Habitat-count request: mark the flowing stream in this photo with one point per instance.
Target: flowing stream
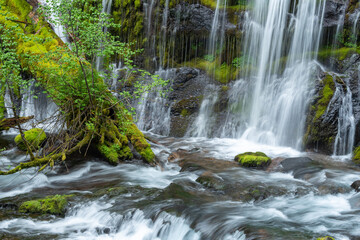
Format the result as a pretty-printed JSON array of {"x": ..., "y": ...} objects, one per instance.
[
  {"x": 266, "y": 112},
  {"x": 135, "y": 201}
]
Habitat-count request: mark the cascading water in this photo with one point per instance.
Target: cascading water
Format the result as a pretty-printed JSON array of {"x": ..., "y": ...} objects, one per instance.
[
  {"x": 163, "y": 35},
  {"x": 58, "y": 28},
  {"x": 153, "y": 111},
  {"x": 217, "y": 34},
  {"x": 344, "y": 140},
  {"x": 204, "y": 122},
  {"x": 34, "y": 103},
  {"x": 206, "y": 118},
  {"x": 355, "y": 26},
  {"x": 277, "y": 45},
  {"x": 106, "y": 8}
]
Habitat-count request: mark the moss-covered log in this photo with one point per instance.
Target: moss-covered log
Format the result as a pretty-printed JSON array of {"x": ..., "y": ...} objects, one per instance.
[
  {"x": 7, "y": 123},
  {"x": 102, "y": 121}
]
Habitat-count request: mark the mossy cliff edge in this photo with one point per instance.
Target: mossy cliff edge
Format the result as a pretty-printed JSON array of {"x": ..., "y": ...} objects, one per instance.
[
  {"x": 103, "y": 122},
  {"x": 320, "y": 135}
]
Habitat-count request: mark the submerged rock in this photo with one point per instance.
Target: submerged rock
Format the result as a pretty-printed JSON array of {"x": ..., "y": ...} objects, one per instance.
[
  {"x": 50, "y": 205},
  {"x": 253, "y": 160},
  {"x": 356, "y": 185},
  {"x": 35, "y": 137},
  {"x": 300, "y": 166},
  {"x": 210, "y": 180}
]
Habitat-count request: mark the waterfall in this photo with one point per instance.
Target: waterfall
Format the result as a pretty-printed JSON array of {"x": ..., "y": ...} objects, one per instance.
[
  {"x": 151, "y": 37},
  {"x": 33, "y": 103},
  {"x": 344, "y": 140},
  {"x": 277, "y": 44},
  {"x": 355, "y": 26},
  {"x": 217, "y": 34},
  {"x": 163, "y": 35},
  {"x": 106, "y": 8},
  {"x": 58, "y": 28},
  {"x": 203, "y": 124},
  {"x": 153, "y": 111}
]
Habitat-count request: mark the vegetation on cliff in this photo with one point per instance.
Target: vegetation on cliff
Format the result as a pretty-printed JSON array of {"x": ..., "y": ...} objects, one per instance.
[{"x": 89, "y": 113}]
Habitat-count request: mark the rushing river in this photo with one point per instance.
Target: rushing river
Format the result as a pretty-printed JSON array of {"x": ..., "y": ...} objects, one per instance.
[{"x": 136, "y": 201}]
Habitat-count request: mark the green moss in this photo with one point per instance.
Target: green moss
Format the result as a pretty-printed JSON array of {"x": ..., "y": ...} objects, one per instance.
[
  {"x": 356, "y": 155},
  {"x": 50, "y": 205},
  {"x": 325, "y": 96},
  {"x": 340, "y": 53},
  {"x": 140, "y": 144},
  {"x": 20, "y": 7},
  {"x": 184, "y": 113},
  {"x": 115, "y": 152},
  {"x": 222, "y": 73},
  {"x": 130, "y": 16},
  {"x": 110, "y": 153},
  {"x": 325, "y": 238},
  {"x": 253, "y": 160},
  {"x": 35, "y": 137}
]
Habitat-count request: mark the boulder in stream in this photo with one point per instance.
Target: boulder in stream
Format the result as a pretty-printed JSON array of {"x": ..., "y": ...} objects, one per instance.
[
  {"x": 257, "y": 160},
  {"x": 300, "y": 166},
  {"x": 35, "y": 137},
  {"x": 50, "y": 205},
  {"x": 356, "y": 185}
]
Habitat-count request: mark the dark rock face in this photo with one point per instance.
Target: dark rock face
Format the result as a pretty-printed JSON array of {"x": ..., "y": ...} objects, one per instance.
[
  {"x": 356, "y": 185},
  {"x": 191, "y": 18},
  {"x": 333, "y": 10},
  {"x": 321, "y": 124},
  {"x": 353, "y": 73},
  {"x": 188, "y": 89}
]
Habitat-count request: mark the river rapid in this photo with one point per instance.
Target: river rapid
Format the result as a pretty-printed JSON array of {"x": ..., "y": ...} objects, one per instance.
[{"x": 136, "y": 201}]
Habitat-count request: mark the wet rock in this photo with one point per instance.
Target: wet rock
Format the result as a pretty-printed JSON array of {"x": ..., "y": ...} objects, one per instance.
[
  {"x": 176, "y": 191},
  {"x": 300, "y": 166},
  {"x": 356, "y": 185},
  {"x": 331, "y": 189},
  {"x": 251, "y": 192},
  {"x": 50, "y": 205},
  {"x": 194, "y": 18},
  {"x": 322, "y": 118},
  {"x": 111, "y": 192},
  {"x": 257, "y": 160},
  {"x": 333, "y": 9},
  {"x": 188, "y": 88},
  {"x": 210, "y": 180},
  {"x": 178, "y": 154},
  {"x": 194, "y": 162},
  {"x": 275, "y": 164}
]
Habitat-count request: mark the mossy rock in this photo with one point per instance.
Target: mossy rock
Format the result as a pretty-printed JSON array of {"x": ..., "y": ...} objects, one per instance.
[
  {"x": 35, "y": 137},
  {"x": 325, "y": 238},
  {"x": 253, "y": 160},
  {"x": 356, "y": 156},
  {"x": 50, "y": 205},
  {"x": 320, "y": 128}
]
